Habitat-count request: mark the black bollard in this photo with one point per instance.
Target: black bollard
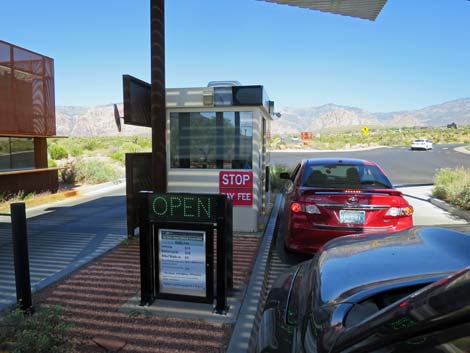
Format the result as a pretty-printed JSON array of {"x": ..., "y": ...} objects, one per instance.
[{"x": 21, "y": 257}]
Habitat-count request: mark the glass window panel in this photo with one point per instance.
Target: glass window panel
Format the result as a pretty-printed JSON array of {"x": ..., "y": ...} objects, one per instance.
[
  {"x": 246, "y": 139},
  {"x": 203, "y": 131},
  {"x": 223, "y": 96},
  {"x": 4, "y": 153},
  {"x": 229, "y": 139},
  {"x": 221, "y": 140},
  {"x": 22, "y": 153}
]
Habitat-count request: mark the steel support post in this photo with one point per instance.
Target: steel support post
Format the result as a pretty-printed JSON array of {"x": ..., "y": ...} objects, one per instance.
[{"x": 158, "y": 94}]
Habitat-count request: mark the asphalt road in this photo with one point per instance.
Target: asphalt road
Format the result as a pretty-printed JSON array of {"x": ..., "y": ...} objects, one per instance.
[
  {"x": 62, "y": 237},
  {"x": 402, "y": 165}
]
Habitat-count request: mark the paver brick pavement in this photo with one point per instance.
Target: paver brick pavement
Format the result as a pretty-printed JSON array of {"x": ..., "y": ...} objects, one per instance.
[{"x": 92, "y": 296}]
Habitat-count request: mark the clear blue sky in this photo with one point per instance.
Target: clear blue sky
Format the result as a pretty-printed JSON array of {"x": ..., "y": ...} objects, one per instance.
[{"x": 416, "y": 53}]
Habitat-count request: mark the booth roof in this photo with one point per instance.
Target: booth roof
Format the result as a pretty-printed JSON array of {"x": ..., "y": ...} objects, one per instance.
[{"x": 366, "y": 9}]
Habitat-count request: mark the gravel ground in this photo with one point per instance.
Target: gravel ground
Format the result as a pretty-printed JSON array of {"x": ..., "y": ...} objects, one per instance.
[{"x": 92, "y": 296}]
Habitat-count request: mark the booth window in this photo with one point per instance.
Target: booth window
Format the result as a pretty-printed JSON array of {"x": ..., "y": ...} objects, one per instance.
[
  {"x": 215, "y": 140},
  {"x": 16, "y": 153}
]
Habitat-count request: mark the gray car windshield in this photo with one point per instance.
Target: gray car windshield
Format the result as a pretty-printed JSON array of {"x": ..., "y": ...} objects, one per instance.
[{"x": 342, "y": 176}]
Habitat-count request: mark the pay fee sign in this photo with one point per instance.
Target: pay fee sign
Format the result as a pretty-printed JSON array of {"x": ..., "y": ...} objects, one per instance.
[{"x": 238, "y": 186}]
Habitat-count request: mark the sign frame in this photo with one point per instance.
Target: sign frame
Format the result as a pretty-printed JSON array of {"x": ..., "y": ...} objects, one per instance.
[
  {"x": 208, "y": 229},
  {"x": 219, "y": 222}
]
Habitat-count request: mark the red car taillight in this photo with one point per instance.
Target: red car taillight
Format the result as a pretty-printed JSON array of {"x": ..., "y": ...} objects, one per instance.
[
  {"x": 400, "y": 211},
  {"x": 297, "y": 207}
]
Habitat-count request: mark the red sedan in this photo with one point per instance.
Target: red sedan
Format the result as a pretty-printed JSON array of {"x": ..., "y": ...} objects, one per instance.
[{"x": 330, "y": 197}]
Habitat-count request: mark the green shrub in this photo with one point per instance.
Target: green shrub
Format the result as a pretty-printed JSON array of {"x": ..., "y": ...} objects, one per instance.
[
  {"x": 93, "y": 171},
  {"x": 90, "y": 144},
  {"x": 51, "y": 163},
  {"x": 278, "y": 184},
  {"x": 453, "y": 186},
  {"x": 57, "y": 152},
  {"x": 43, "y": 332},
  {"x": 76, "y": 151},
  {"x": 119, "y": 156},
  {"x": 130, "y": 147}
]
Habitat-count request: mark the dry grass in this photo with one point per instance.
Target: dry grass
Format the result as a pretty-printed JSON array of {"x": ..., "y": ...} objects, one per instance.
[{"x": 453, "y": 186}]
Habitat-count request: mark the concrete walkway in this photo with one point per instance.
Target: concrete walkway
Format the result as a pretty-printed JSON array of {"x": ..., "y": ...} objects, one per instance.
[
  {"x": 63, "y": 237},
  {"x": 425, "y": 212}
]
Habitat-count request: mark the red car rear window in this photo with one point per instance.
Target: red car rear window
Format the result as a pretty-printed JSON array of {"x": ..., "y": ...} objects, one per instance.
[{"x": 340, "y": 176}]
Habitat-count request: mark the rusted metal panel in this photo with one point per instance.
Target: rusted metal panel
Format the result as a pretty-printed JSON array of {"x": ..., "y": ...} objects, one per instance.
[
  {"x": 37, "y": 181},
  {"x": 26, "y": 92}
]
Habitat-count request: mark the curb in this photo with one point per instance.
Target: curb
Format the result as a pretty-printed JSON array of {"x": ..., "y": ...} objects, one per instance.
[
  {"x": 98, "y": 187},
  {"x": 462, "y": 149},
  {"x": 290, "y": 150},
  {"x": 449, "y": 208},
  {"x": 242, "y": 338}
]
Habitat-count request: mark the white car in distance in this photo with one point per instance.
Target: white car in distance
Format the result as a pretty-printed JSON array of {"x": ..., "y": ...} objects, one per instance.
[{"x": 421, "y": 144}]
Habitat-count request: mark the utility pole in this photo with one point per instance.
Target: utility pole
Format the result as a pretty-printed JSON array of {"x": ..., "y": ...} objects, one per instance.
[{"x": 158, "y": 95}]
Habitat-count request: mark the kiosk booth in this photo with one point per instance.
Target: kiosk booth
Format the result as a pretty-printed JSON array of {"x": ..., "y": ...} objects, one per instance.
[{"x": 216, "y": 144}]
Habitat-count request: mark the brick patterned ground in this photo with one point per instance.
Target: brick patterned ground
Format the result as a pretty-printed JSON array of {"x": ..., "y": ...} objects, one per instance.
[{"x": 93, "y": 295}]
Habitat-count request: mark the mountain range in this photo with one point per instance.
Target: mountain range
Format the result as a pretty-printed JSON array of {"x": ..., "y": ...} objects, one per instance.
[{"x": 99, "y": 120}]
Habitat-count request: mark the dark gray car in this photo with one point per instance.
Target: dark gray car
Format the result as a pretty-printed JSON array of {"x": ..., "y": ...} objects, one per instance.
[{"x": 401, "y": 292}]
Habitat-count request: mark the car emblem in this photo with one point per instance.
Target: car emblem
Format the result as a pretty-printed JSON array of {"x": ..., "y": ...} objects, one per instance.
[{"x": 353, "y": 199}]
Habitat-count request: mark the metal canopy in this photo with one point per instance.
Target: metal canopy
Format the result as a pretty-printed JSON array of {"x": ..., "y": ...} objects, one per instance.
[{"x": 366, "y": 9}]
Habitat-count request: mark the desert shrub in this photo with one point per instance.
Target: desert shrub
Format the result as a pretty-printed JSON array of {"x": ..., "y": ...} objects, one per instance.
[
  {"x": 94, "y": 171},
  {"x": 119, "y": 156},
  {"x": 278, "y": 184},
  {"x": 90, "y": 144},
  {"x": 68, "y": 174},
  {"x": 44, "y": 332},
  {"x": 453, "y": 186},
  {"x": 57, "y": 152},
  {"x": 130, "y": 147},
  {"x": 76, "y": 151},
  {"x": 144, "y": 142}
]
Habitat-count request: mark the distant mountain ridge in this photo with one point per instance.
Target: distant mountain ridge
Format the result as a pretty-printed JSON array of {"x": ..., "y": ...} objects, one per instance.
[
  {"x": 99, "y": 120},
  {"x": 295, "y": 120}
]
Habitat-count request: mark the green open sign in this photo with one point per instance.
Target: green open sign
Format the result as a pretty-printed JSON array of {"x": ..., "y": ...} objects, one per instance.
[{"x": 182, "y": 207}]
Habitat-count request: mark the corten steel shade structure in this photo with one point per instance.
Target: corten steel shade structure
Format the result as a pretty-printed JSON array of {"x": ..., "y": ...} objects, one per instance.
[
  {"x": 27, "y": 92},
  {"x": 27, "y": 119},
  {"x": 366, "y": 9}
]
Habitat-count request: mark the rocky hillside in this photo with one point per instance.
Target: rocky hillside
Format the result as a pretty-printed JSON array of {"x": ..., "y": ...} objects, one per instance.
[
  {"x": 93, "y": 121},
  {"x": 294, "y": 120},
  {"x": 99, "y": 120}
]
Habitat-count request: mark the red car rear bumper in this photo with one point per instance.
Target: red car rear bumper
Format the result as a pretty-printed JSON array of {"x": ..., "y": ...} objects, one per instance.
[{"x": 310, "y": 240}]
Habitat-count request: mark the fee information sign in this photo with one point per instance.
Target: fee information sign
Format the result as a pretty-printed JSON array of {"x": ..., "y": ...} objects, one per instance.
[{"x": 182, "y": 262}]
